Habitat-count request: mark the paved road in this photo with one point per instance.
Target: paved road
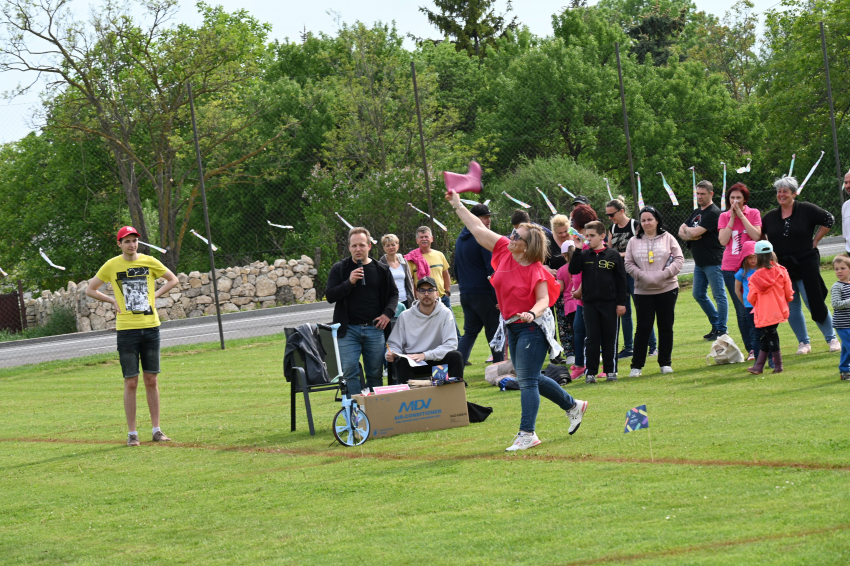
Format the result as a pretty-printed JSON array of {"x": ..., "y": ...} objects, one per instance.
[{"x": 236, "y": 325}]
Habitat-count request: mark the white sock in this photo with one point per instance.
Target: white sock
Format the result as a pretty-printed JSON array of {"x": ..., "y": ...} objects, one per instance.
[
  {"x": 155, "y": 430},
  {"x": 134, "y": 432}
]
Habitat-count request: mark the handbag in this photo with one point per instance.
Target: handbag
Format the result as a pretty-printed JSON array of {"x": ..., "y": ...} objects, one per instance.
[{"x": 724, "y": 351}]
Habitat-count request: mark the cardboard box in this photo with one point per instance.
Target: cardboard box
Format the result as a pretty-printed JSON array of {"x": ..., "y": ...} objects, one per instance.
[{"x": 423, "y": 408}]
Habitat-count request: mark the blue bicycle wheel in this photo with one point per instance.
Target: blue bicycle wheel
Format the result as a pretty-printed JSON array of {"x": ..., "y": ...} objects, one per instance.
[{"x": 351, "y": 434}]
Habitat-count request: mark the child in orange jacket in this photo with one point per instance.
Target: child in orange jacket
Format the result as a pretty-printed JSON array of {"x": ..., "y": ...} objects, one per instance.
[{"x": 770, "y": 293}]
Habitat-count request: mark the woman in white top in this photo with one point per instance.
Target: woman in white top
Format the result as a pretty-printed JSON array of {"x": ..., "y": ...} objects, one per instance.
[{"x": 398, "y": 267}]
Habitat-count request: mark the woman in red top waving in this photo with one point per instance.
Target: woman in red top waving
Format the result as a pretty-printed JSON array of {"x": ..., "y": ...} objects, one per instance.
[{"x": 525, "y": 291}]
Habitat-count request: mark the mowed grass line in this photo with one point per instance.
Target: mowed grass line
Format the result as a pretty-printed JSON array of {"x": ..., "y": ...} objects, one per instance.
[{"x": 743, "y": 469}]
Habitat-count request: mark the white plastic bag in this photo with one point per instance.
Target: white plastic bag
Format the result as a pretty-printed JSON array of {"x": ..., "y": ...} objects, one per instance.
[{"x": 724, "y": 351}]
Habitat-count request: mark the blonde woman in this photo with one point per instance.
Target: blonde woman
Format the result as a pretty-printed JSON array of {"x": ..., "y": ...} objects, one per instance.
[
  {"x": 399, "y": 269},
  {"x": 560, "y": 224}
]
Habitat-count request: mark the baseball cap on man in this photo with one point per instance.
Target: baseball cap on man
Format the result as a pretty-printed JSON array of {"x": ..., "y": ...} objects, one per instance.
[
  {"x": 126, "y": 231},
  {"x": 429, "y": 280},
  {"x": 581, "y": 200},
  {"x": 480, "y": 210}
]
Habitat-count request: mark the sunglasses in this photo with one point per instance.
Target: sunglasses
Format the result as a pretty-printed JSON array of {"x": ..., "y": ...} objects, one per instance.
[
  {"x": 515, "y": 236},
  {"x": 611, "y": 215},
  {"x": 426, "y": 290}
]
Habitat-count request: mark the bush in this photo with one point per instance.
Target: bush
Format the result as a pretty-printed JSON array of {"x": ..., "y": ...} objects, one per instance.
[{"x": 62, "y": 321}]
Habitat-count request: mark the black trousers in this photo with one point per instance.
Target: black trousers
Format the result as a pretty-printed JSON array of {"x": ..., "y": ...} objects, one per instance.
[
  {"x": 602, "y": 326},
  {"x": 660, "y": 308},
  {"x": 769, "y": 338},
  {"x": 404, "y": 371},
  {"x": 479, "y": 311}
]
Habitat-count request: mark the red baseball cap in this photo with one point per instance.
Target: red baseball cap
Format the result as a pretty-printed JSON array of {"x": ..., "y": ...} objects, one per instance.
[{"x": 126, "y": 231}]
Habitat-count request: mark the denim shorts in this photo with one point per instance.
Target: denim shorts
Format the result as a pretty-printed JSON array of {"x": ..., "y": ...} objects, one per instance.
[{"x": 138, "y": 344}]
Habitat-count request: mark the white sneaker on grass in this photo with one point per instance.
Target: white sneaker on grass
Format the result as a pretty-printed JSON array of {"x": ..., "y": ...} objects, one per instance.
[
  {"x": 571, "y": 360},
  {"x": 635, "y": 372},
  {"x": 834, "y": 345},
  {"x": 804, "y": 348},
  {"x": 666, "y": 369},
  {"x": 575, "y": 415},
  {"x": 523, "y": 440}
]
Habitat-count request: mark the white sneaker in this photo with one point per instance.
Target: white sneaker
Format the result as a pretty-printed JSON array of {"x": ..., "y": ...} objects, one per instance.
[
  {"x": 804, "y": 348},
  {"x": 575, "y": 414},
  {"x": 523, "y": 440},
  {"x": 666, "y": 369},
  {"x": 635, "y": 372},
  {"x": 571, "y": 360},
  {"x": 834, "y": 345}
]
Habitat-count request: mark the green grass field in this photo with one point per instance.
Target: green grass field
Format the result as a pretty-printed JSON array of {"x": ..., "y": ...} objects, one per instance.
[{"x": 743, "y": 469}]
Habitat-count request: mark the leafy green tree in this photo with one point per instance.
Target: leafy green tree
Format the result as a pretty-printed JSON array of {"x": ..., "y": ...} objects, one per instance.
[
  {"x": 473, "y": 24},
  {"x": 124, "y": 83},
  {"x": 656, "y": 34}
]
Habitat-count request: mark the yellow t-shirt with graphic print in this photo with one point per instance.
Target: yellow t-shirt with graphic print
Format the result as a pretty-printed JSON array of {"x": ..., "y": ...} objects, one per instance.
[
  {"x": 438, "y": 263},
  {"x": 134, "y": 285}
]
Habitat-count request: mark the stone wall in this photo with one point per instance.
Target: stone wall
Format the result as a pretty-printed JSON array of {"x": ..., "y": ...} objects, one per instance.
[{"x": 258, "y": 285}]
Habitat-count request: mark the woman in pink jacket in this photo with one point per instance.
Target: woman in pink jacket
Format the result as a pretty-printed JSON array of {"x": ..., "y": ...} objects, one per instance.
[{"x": 654, "y": 259}]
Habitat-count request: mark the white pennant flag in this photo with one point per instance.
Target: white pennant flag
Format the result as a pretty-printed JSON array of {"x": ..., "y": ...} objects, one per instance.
[
  {"x": 47, "y": 259},
  {"x": 215, "y": 249}
]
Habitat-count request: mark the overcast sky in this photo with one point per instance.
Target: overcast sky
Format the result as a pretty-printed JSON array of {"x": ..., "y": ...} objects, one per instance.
[{"x": 288, "y": 18}]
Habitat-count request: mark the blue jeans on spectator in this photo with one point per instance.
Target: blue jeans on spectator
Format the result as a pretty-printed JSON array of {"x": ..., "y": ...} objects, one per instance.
[
  {"x": 844, "y": 363},
  {"x": 798, "y": 321},
  {"x": 626, "y": 321},
  {"x": 368, "y": 341},
  {"x": 529, "y": 349},
  {"x": 740, "y": 312},
  {"x": 579, "y": 333},
  {"x": 446, "y": 300},
  {"x": 713, "y": 276},
  {"x": 479, "y": 311}
]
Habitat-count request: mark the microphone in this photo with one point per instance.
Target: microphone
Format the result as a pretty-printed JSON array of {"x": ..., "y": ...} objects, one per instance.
[{"x": 360, "y": 264}]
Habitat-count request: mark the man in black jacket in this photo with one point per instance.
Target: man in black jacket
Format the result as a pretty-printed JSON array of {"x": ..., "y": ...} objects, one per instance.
[
  {"x": 604, "y": 294},
  {"x": 365, "y": 297}
]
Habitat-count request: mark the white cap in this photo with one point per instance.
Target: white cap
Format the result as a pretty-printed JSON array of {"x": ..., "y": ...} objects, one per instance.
[{"x": 565, "y": 247}]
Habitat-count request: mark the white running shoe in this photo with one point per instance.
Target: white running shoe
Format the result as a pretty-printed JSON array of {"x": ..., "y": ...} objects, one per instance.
[
  {"x": 575, "y": 414},
  {"x": 666, "y": 369},
  {"x": 751, "y": 356},
  {"x": 834, "y": 345},
  {"x": 571, "y": 360},
  {"x": 523, "y": 440},
  {"x": 635, "y": 372},
  {"x": 804, "y": 348}
]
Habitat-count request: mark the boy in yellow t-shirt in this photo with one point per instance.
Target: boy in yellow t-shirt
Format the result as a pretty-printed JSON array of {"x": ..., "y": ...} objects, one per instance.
[{"x": 133, "y": 277}]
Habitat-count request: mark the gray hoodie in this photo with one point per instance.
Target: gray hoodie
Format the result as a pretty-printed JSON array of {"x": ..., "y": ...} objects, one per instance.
[{"x": 433, "y": 335}]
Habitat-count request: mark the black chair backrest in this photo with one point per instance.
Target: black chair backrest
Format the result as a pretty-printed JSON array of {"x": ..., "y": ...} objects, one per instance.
[{"x": 327, "y": 336}]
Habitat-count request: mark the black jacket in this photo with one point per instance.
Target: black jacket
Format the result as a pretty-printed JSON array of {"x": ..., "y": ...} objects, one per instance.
[
  {"x": 306, "y": 341},
  {"x": 603, "y": 276},
  {"x": 339, "y": 287}
]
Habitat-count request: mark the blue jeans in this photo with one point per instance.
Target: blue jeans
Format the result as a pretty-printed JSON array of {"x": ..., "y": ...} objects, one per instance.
[
  {"x": 479, "y": 311},
  {"x": 626, "y": 321},
  {"x": 844, "y": 363},
  {"x": 579, "y": 333},
  {"x": 529, "y": 349},
  {"x": 798, "y": 321},
  {"x": 368, "y": 341},
  {"x": 448, "y": 302},
  {"x": 703, "y": 277},
  {"x": 740, "y": 311}
]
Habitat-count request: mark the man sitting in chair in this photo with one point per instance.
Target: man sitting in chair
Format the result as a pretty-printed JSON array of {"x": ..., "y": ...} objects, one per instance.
[{"x": 425, "y": 333}]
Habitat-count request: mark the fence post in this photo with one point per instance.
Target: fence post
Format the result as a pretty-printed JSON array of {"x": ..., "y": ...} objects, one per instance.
[
  {"x": 626, "y": 126},
  {"x": 422, "y": 144},
  {"x": 831, "y": 111},
  {"x": 23, "y": 305},
  {"x": 317, "y": 260},
  {"x": 206, "y": 215}
]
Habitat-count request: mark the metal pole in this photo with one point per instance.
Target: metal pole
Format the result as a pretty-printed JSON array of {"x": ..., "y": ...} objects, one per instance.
[
  {"x": 422, "y": 144},
  {"x": 831, "y": 111},
  {"x": 206, "y": 214},
  {"x": 626, "y": 126},
  {"x": 23, "y": 305}
]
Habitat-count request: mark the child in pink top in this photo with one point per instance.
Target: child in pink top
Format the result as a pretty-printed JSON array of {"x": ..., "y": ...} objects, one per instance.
[{"x": 568, "y": 285}]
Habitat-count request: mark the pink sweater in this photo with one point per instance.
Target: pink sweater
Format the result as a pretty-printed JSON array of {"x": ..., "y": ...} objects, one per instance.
[
  {"x": 660, "y": 275},
  {"x": 571, "y": 283}
]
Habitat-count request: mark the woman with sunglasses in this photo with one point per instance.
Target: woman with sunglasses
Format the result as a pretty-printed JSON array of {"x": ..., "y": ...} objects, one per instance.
[{"x": 525, "y": 290}]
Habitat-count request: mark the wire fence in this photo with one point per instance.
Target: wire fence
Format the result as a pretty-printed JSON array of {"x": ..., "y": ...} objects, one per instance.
[{"x": 540, "y": 136}]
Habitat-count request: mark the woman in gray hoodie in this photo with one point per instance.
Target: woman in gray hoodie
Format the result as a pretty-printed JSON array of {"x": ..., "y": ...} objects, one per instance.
[{"x": 654, "y": 259}]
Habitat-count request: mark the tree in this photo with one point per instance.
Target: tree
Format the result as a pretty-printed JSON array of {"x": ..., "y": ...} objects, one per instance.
[
  {"x": 728, "y": 48},
  {"x": 656, "y": 33},
  {"x": 125, "y": 83},
  {"x": 473, "y": 24}
]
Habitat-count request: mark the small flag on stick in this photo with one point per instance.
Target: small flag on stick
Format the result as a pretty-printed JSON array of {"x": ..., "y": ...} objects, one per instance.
[
  {"x": 669, "y": 190},
  {"x": 812, "y": 170},
  {"x": 791, "y": 169},
  {"x": 437, "y": 222},
  {"x": 519, "y": 202},
  {"x": 694, "y": 175},
  {"x": 47, "y": 259},
  {"x": 344, "y": 221},
  {"x": 723, "y": 196},
  {"x": 608, "y": 186},
  {"x": 636, "y": 418},
  {"x": 279, "y": 225},
  {"x": 154, "y": 247},
  {"x": 745, "y": 168},
  {"x": 640, "y": 193},
  {"x": 566, "y": 191},
  {"x": 214, "y": 248},
  {"x": 548, "y": 202}
]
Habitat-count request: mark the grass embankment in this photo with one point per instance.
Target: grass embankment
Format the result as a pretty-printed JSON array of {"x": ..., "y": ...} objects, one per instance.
[{"x": 743, "y": 469}]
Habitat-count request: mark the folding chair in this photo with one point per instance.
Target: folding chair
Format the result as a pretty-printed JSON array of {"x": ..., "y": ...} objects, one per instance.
[{"x": 298, "y": 381}]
